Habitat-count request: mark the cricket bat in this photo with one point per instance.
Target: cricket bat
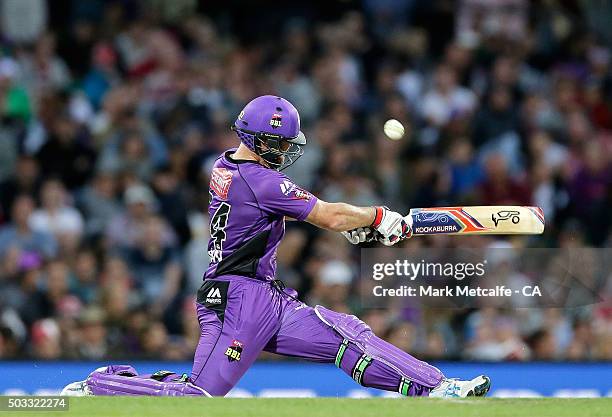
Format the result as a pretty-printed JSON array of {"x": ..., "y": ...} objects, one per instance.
[{"x": 483, "y": 220}]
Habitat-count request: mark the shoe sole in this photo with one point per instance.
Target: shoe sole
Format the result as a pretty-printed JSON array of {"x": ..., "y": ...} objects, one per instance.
[{"x": 482, "y": 389}]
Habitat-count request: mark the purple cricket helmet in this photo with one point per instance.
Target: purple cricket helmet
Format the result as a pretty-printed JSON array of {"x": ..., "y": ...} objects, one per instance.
[{"x": 270, "y": 127}]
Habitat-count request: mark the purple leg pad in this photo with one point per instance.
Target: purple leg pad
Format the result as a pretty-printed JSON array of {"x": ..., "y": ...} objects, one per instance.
[
  {"x": 306, "y": 335},
  {"x": 378, "y": 375},
  {"x": 124, "y": 380},
  {"x": 361, "y": 336}
]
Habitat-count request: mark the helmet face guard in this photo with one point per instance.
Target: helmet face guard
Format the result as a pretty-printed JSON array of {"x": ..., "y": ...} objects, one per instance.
[{"x": 278, "y": 151}]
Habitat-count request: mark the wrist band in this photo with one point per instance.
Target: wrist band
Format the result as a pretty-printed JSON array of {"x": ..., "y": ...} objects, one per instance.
[{"x": 378, "y": 217}]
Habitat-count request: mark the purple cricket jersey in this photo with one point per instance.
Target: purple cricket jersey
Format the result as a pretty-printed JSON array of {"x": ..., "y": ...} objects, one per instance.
[{"x": 249, "y": 203}]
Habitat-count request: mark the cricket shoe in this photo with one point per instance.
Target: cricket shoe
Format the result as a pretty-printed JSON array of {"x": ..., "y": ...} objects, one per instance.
[
  {"x": 76, "y": 389},
  {"x": 455, "y": 388},
  {"x": 79, "y": 388}
]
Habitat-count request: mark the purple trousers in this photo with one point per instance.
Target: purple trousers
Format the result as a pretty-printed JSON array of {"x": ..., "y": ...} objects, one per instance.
[{"x": 241, "y": 317}]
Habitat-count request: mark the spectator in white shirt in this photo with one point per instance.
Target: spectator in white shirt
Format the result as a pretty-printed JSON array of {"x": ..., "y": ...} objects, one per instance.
[
  {"x": 446, "y": 99},
  {"x": 57, "y": 217}
]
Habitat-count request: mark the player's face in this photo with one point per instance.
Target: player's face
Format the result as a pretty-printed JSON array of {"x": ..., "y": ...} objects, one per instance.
[
  {"x": 279, "y": 153},
  {"x": 285, "y": 146}
]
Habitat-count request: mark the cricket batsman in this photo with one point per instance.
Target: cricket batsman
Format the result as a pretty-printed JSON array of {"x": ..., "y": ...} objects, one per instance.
[{"x": 244, "y": 309}]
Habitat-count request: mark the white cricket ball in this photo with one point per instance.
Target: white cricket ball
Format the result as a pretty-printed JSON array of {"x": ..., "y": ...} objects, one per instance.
[{"x": 393, "y": 129}]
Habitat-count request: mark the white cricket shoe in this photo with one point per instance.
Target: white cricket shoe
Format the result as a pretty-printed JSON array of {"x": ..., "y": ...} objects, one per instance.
[
  {"x": 455, "y": 388},
  {"x": 79, "y": 388},
  {"x": 76, "y": 389}
]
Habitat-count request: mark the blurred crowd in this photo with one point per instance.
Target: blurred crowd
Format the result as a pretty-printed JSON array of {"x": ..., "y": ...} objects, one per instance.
[{"x": 113, "y": 111}]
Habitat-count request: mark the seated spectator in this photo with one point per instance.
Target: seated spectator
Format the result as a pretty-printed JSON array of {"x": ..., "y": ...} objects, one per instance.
[
  {"x": 42, "y": 68},
  {"x": 499, "y": 187},
  {"x": 85, "y": 274},
  {"x": 154, "y": 340},
  {"x": 155, "y": 266},
  {"x": 92, "y": 334},
  {"x": 542, "y": 345},
  {"x": 497, "y": 117},
  {"x": 466, "y": 172},
  {"x": 19, "y": 234},
  {"x": 56, "y": 284},
  {"x": 46, "y": 339},
  {"x": 171, "y": 194},
  {"x": 16, "y": 101},
  {"x": 332, "y": 285},
  {"x": 56, "y": 216},
  {"x": 25, "y": 180},
  {"x": 67, "y": 142},
  {"x": 131, "y": 155},
  {"x": 446, "y": 100},
  {"x": 126, "y": 227},
  {"x": 98, "y": 203}
]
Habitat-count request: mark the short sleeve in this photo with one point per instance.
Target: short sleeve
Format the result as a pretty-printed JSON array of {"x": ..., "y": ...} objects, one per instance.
[{"x": 277, "y": 194}]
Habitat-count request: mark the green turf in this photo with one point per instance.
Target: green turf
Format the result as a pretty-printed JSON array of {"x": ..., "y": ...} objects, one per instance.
[{"x": 335, "y": 407}]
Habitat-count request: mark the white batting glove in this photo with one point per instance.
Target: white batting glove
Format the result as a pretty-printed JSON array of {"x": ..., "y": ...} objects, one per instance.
[
  {"x": 359, "y": 235},
  {"x": 391, "y": 226}
]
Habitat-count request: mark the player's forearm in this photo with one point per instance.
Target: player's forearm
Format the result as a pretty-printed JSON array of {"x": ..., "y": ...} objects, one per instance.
[{"x": 340, "y": 217}]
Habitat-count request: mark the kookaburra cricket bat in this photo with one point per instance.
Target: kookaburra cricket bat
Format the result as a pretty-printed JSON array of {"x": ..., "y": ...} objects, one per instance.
[{"x": 483, "y": 220}]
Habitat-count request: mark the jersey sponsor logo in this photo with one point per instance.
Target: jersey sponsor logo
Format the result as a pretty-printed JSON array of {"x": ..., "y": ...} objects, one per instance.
[
  {"x": 276, "y": 121},
  {"x": 234, "y": 351},
  {"x": 214, "y": 296},
  {"x": 220, "y": 181}
]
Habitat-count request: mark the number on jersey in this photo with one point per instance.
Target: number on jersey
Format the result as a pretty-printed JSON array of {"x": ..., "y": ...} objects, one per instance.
[{"x": 217, "y": 232}]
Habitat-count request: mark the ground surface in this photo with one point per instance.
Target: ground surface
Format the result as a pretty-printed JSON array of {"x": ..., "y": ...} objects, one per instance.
[{"x": 333, "y": 407}]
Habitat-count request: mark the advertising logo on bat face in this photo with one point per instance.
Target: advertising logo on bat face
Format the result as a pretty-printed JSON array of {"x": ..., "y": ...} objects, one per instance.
[{"x": 512, "y": 215}]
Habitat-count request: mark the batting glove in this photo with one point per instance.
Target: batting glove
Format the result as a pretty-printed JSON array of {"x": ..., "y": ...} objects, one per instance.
[
  {"x": 359, "y": 235},
  {"x": 391, "y": 226}
]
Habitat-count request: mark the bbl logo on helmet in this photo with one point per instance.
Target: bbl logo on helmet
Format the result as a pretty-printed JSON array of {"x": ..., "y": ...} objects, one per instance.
[{"x": 276, "y": 120}]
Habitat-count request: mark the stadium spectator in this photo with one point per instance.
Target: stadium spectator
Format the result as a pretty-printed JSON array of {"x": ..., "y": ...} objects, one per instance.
[
  {"x": 97, "y": 200},
  {"x": 126, "y": 227},
  {"x": 21, "y": 235},
  {"x": 24, "y": 180},
  {"x": 92, "y": 341},
  {"x": 57, "y": 216},
  {"x": 156, "y": 266}
]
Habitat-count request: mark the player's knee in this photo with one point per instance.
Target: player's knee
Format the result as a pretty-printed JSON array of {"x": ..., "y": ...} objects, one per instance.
[{"x": 212, "y": 387}]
